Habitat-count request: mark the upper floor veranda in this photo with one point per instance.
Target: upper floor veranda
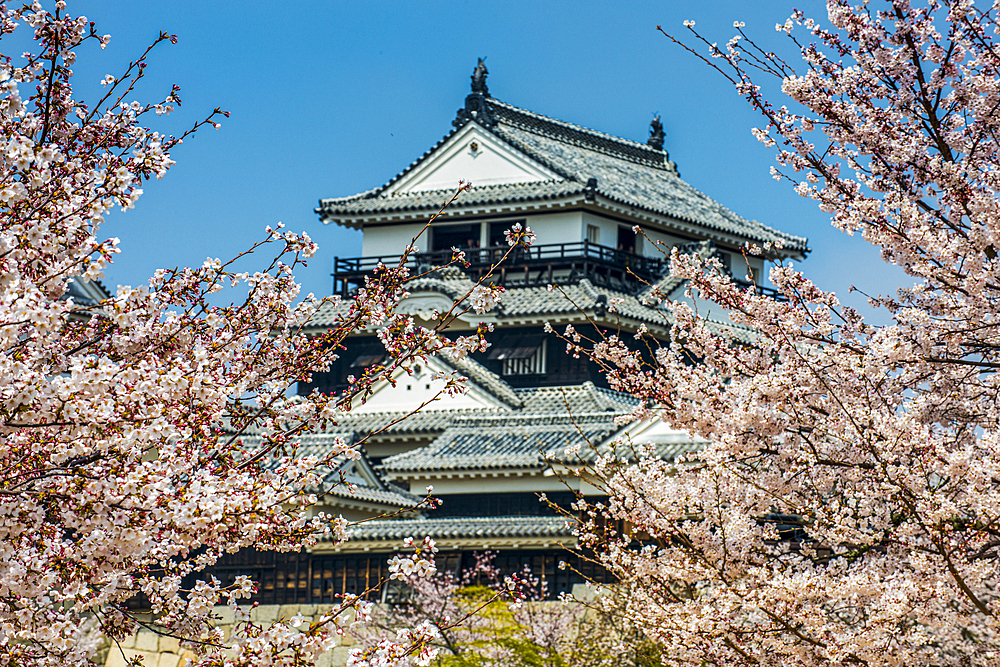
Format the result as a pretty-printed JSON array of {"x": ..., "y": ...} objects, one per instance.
[{"x": 570, "y": 246}]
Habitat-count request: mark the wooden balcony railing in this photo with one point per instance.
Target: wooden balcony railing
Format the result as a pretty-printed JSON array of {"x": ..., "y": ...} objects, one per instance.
[{"x": 540, "y": 264}]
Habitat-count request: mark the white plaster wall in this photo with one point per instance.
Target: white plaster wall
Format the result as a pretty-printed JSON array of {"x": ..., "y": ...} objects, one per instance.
[
  {"x": 557, "y": 227},
  {"x": 757, "y": 265},
  {"x": 649, "y": 249},
  {"x": 492, "y": 162},
  {"x": 391, "y": 239},
  {"x": 608, "y": 227},
  {"x": 411, "y": 391}
]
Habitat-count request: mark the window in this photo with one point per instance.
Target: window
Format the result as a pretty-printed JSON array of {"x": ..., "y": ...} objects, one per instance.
[
  {"x": 445, "y": 237},
  {"x": 303, "y": 578},
  {"x": 626, "y": 239},
  {"x": 593, "y": 234},
  {"x": 306, "y": 578},
  {"x": 525, "y": 356},
  {"x": 396, "y": 593}
]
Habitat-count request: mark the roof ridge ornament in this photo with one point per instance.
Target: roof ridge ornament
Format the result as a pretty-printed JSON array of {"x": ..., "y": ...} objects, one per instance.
[
  {"x": 479, "y": 79},
  {"x": 476, "y": 106},
  {"x": 656, "y": 134}
]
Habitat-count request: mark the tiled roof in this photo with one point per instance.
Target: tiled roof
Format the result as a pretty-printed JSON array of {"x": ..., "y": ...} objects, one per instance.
[
  {"x": 550, "y": 420},
  {"x": 449, "y": 280},
  {"x": 391, "y": 495},
  {"x": 484, "y": 378},
  {"x": 662, "y": 288},
  {"x": 527, "y": 301},
  {"x": 671, "y": 451},
  {"x": 328, "y": 315},
  {"x": 462, "y": 527},
  {"x": 572, "y": 298},
  {"x": 511, "y": 117},
  {"x": 737, "y": 331},
  {"x": 510, "y": 441},
  {"x": 361, "y": 424},
  {"x": 575, "y": 399},
  {"x": 340, "y": 478},
  {"x": 585, "y": 296},
  {"x": 669, "y": 446},
  {"x": 426, "y": 200},
  {"x": 626, "y": 172}
]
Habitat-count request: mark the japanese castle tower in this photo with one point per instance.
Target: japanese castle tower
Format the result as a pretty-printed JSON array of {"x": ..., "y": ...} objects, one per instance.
[{"x": 582, "y": 192}]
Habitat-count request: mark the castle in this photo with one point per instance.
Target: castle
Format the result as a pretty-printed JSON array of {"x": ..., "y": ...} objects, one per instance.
[{"x": 487, "y": 453}]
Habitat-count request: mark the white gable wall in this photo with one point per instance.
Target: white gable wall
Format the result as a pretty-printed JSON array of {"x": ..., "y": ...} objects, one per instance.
[
  {"x": 490, "y": 162},
  {"x": 411, "y": 391},
  {"x": 656, "y": 431}
]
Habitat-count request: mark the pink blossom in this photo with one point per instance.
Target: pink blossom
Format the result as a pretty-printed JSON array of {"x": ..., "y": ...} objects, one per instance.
[
  {"x": 126, "y": 468},
  {"x": 845, "y": 511}
]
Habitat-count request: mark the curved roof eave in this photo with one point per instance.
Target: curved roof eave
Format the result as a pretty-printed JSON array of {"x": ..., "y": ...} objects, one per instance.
[{"x": 798, "y": 246}]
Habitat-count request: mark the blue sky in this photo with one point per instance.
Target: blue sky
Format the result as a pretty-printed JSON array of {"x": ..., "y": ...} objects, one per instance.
[{"x": 333, "y": 98}]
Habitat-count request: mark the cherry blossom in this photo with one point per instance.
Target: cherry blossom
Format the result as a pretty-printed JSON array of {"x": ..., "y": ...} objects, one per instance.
[
  {"x": 124, "y": 470},
  {"x": 516, "y": 236},
  {"x": 847, "y": 509},
  {"x": 480, "y": 617},
  {"x": 485, "y": 298}
]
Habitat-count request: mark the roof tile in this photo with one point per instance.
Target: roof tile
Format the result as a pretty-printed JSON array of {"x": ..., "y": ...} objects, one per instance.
[
  {"x": 462, "y": 527},
  {"x": 511, "y": 441},
  {"x": 426, "y": 200},
  {"x": 627, "y": 172}
]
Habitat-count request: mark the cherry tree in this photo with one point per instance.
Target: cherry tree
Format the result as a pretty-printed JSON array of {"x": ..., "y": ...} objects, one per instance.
[
  {"x": 848, "y": 508},
  {"x": 123, "y": 470},
  {"x": 483, "y": 618}
]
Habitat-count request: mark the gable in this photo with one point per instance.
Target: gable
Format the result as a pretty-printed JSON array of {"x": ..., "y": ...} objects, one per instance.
[
  {"x": 359, "y": 472},
  {"x": 425, "y": 305},
  {"x": 472, "y": 155},
  {"x": 670, "y": 443},
  {"x": 412, "y": 391}
]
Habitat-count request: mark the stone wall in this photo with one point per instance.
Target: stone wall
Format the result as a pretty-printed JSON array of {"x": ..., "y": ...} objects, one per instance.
[{"x": 159, "y": 651}]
